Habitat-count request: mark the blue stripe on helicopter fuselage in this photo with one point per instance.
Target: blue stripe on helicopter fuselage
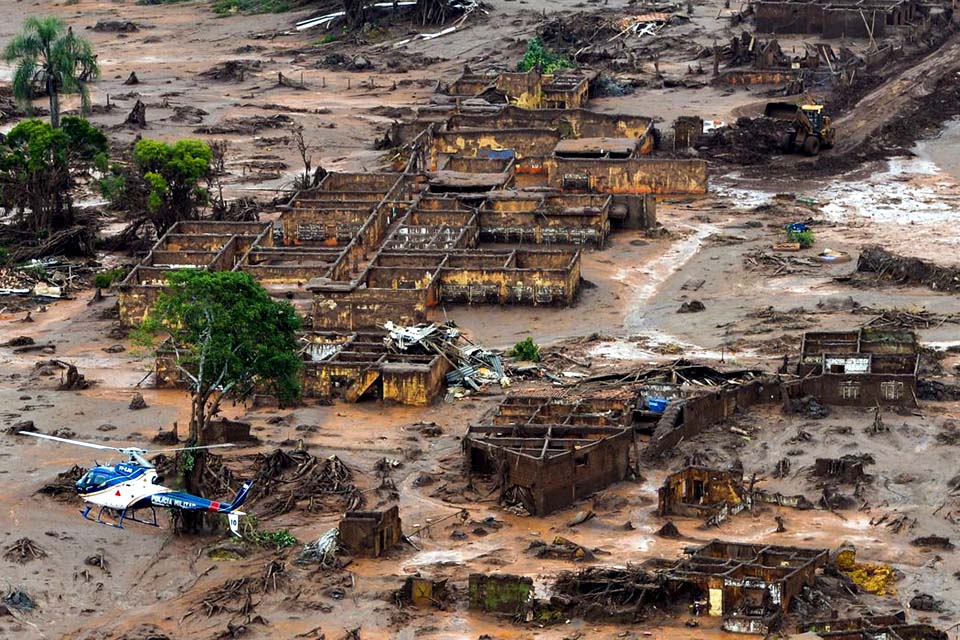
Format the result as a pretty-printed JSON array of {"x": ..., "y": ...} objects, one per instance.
[{"x": 185, "y": 501}]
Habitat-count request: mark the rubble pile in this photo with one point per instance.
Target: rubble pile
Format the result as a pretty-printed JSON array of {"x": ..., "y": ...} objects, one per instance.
[
  {"x": 473, "y": 366},
  {"x": 322, "y": 551},
  {"x": 247, "y": 125},
  {"x": 777, "y": 265},
  {"x": 288, "y": 480},
  {"x": 893, "y": 268},
  {"x": 23, "y": 551},
  {"x": 602, "y": 593},
  {"x": 750, "y": 141},
  {"x": 900, "y": 319}
]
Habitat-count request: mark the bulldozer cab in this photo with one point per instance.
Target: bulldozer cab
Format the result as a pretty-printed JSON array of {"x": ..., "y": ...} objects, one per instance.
[{"x": 814, "y": 113}]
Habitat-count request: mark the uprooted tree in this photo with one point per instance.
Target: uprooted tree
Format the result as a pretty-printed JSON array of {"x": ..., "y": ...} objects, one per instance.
[
  {"x": 228, "y": 338},
  {"x": 40, "y": 167}
]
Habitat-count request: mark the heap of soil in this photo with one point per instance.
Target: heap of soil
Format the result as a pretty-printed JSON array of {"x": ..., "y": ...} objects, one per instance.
[{"x": 750, "y": 141}]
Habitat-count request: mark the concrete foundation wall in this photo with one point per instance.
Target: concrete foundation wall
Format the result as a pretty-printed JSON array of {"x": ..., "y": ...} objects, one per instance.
[
  {"x": 701, "y": 412},
  {"x": 632, "y": 176}
]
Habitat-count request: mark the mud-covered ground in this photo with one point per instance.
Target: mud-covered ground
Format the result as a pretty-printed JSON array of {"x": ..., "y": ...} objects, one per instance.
[{"x": 154, "y": 583}]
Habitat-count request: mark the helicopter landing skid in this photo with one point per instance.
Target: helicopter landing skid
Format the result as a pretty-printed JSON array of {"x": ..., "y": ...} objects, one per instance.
[{"x": 125, "y": 514}]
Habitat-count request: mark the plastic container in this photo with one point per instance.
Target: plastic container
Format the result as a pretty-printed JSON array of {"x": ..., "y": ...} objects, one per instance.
[{"x": 657, "y": 405}]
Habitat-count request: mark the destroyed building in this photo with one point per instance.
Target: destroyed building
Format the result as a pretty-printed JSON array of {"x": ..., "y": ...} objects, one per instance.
[
  {"x": 549, "y": 452},
  {"x": 862, "y": 368},
  {"x": 528, "y": 89},
  {"x": 871, "y": 19},
  {"x": 695, "y": 397},
  {"x": 700, "y": 492},
  {"x": 715, "y": 494},
  {"x": 370, "y": 533},
  {"x": 361, "y": 249},
  {"x": 423, "y": 592},
  {"x": 750, "y": 586},
  {"x": 215, "y": 246},
  {"x": 872, "y": 627}
]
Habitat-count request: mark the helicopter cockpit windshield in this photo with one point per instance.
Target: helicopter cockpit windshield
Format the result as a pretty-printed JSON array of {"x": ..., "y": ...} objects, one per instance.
[{"x": 91, "y": 481}]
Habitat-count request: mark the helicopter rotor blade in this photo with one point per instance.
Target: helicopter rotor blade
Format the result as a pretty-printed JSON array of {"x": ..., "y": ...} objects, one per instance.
[
  {"x": 209, "y": 446},
  {"x": 78, "y": 443}
]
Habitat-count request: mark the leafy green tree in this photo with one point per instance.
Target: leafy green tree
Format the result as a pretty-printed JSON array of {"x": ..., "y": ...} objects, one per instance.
[
  {"x": 40, "y": 166},
  {"x": 537, "y": 54},
  {"x": 174, "y": 175},
  {"x": 228, "y": 338},
  {"x": 50, "y": 59}
]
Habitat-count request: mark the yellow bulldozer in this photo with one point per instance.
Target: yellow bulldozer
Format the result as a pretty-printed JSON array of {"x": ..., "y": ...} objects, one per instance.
[{"x": 810, "y": 130}]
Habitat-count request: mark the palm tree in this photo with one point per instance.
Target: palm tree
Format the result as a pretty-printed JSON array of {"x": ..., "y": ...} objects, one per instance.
[{"x": 50, "y": 58}]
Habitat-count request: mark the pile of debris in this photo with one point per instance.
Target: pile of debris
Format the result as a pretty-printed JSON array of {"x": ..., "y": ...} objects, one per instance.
[
  {"x": 48, "y": 278},
  {"x": 561, "y": 549},
  {"x": 232, "y": 70},
  {"x": 750, "y": 141},
  {"x": 473, "y": 366},
  {"x": 778, "y": 265},
  {"x": 64, "y": 486},
  {"x": 23, "y": 551},
  {"x": 283, "y": 480},
  {"x": 247, "y": 125},
  {"x": 609, "y": 594},
  {"x": 899, "y": 319},
  {"x": 322, "y": 551},
  {"x": 890, "y": 267}
]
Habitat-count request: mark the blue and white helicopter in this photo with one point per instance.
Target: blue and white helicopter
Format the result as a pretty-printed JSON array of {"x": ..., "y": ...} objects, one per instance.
[{"x": 129, "y": 486}]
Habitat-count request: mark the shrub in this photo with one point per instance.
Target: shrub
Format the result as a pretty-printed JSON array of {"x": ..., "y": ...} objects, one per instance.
[
  {"x": 526, "y": 350},
  {"x": 548, "y": 60},
  {"x": 106, "y": 278},
  {"x": 805, "y": 237}
]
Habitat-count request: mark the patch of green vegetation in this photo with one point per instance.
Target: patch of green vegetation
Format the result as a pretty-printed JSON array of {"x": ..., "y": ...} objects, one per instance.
[
  {"x": 548, "y": 60},
  {"x": 227, "y": 7},
  {"x": 805, "y": 237},
  {"x": 252, "y": 534},
  {"x": 106, "y": 278},
  {"x": 4, "y": 255},
  {"x": 113, "y": 186},
  {"x": 327, "y": 39},
  {"x": 224, "y": 555},
  {"x": 526, "y": 350}
]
